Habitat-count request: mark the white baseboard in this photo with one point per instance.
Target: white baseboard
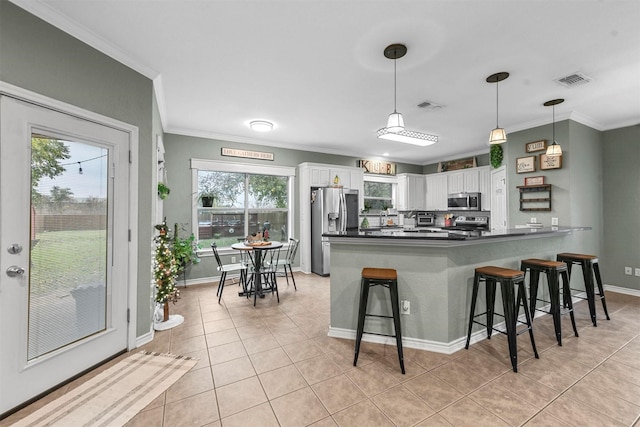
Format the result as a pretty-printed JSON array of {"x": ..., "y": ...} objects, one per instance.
[
  {"x": 621, "y": 290},
  {"x": 144, "y": 339}
]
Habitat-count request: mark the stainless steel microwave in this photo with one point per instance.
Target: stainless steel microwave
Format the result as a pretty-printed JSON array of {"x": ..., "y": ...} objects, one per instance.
[{"x": 464, "y": 202}]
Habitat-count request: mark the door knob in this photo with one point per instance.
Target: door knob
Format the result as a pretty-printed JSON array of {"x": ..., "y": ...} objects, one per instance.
[{"x": 15, "y": 271}]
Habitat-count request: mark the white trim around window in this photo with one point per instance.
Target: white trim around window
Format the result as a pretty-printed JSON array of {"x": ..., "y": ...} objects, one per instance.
[{"x": 256, "y": 169}]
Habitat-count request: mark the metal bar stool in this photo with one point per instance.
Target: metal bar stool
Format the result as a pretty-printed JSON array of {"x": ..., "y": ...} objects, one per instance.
[
  {"x": 590, "y": 268},
  {"x": 510, "y": 303},
  {"x": 553, "y": 270},
  {"x": 388, "y": 278}
]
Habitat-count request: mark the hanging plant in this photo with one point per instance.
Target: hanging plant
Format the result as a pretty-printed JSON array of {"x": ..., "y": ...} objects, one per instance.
[
  {"x": 163, "y": 190},
  {"x": 496, "y": 155}
]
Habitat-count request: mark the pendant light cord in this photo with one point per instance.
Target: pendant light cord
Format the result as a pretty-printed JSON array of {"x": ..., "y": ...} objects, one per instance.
[
  {"x": 395, "y": 83},
  {"x": 497, "y": 100},
  {"x": 553, "y": 125}
]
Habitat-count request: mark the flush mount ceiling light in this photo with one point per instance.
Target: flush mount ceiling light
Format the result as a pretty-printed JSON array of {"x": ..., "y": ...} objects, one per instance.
[
  {"x": 554, "y": 149},
  {"x": 261, "y": 125},
  {"x": 395, "y": 130},
  {"x": 497, "y": 135}
]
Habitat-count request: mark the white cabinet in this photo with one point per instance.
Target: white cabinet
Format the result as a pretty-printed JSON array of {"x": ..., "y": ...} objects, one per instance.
[
  {"x": 411, "y": 192},
  {"x": 485, "y": 187},
  {"x": 455, "y": 182},
  {"x": 318, "y": 177},
  {"x": 437, "y": 191},
  {"x": 471, "y": 180},
  {"x": 465, "y": 181}
]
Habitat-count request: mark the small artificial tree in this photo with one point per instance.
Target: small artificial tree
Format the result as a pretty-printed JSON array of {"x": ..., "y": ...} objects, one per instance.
[{"x": 165, "y": 270}]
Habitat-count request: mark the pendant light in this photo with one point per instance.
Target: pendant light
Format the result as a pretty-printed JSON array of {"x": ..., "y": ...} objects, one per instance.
[
  {"x": 497, "y": 135},
  {"x": 554, "y": 150},
  {"x": 395, "y": 130}
]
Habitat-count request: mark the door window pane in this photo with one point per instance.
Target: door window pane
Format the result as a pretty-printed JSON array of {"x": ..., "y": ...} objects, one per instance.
[{"x": 68, "y": 275}]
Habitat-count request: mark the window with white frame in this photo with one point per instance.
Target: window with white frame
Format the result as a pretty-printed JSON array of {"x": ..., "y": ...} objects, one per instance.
[
  {"x": 379, "y": 192},
  {"x": 234, "y": 200}
]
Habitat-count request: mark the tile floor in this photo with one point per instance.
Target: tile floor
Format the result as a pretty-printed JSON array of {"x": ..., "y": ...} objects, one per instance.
[{"x": 273, "y": 365}]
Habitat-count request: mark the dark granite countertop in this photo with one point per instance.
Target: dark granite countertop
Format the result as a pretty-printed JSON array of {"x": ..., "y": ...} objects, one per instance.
[{"x": 436, "y": 234}]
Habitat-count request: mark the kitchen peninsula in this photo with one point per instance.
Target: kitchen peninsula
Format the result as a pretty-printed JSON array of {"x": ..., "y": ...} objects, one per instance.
[{"x": 435, "y": 275}]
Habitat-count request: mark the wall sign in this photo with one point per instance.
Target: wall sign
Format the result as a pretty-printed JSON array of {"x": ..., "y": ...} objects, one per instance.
[
  {"x": 550, "y": 162},
  {"x": 248, "y": 154},
  {"x": 526, "y": 164},
  {"x": 534, "y": 180},
  {"x": 377, "y": 166},
  {"x": 535, "y": 146}
]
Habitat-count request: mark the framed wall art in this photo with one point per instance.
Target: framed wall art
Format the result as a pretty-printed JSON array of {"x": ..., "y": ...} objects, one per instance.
[
  {"x": 534, "y": 180},
  {"x": 535, "y": 146},
  {"x": 547, "y": 162},
  {"x": 525, "y": 164}
]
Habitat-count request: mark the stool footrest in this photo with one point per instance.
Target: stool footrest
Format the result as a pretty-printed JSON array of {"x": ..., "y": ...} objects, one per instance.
[
  {"x": 378, "y": 333},
  {"x": 378, "y": 315}
]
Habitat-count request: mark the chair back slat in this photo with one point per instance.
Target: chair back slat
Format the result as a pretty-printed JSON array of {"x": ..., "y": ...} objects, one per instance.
[
  {"x": 293, "y": 249},
  {"x": 214, "y": 247}
]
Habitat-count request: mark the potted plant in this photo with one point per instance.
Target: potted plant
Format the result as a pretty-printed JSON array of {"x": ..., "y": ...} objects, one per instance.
[
  {"x": 163, "y": 190},
  {"x": 207, "y": 197},
  {"x": 185, "y": 251}
]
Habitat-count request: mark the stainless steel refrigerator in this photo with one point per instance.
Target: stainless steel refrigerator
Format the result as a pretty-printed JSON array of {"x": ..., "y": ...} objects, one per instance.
[{"x": 332, "y": 209}]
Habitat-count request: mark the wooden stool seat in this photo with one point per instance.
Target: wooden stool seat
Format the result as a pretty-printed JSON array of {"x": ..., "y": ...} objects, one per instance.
[
  {"x": 590, "y": 268},
  {"x": 582, "y": 257},
  {"x": 545, "y": 263},
  {"x": 387, "y": 278},
  {"x": 379, "y": 273},
  {"x": 553, "y": 270},
  {"x": 503, "y": 273},
  {"x": 511, "y": 302}
]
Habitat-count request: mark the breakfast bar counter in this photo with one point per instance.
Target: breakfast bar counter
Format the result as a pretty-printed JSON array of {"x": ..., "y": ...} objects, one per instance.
[{"x": 435, "y": 276}]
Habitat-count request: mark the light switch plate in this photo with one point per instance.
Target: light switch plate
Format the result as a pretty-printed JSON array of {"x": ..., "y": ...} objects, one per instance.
[
  {"x": 628, "y": 271},
  {"x": 638, "y": 272},
  {"x": 554, "y": 221}
]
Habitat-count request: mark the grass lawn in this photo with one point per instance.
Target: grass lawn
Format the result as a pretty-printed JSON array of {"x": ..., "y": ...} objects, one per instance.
[{"x": 62, "y": 260}]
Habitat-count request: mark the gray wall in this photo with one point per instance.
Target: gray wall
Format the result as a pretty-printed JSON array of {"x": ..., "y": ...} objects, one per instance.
[
  {"x": 621, "y": 202},
  {"x": 39, "y": 57},
  {"x": 180, "y": 148}
]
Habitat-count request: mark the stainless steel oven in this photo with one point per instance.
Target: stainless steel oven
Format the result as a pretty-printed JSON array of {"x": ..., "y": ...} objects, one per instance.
[{"x": 425, "y": 219}]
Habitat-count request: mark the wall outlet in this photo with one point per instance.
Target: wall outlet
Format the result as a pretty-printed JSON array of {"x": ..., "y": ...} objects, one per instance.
[
  {"x": 405, "y": 307},
  {"x": 638, "y": 272},
  {"x": 533, "y": 220},
  {"x": 628, "y": 271},
  {"x": 554, "y": 221},
  {"x": 233, "y": 260}
]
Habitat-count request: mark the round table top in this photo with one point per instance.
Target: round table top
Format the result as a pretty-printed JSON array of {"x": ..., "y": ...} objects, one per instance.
[{"x": 241, "y": 246}]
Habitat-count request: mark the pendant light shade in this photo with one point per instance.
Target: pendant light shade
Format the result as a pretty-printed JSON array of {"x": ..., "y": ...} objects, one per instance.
[
  {"x": 395, "y": 122},
  {"x": 554, "y": 150},
  {"x": 395, "y": 131},
  {"x": 497, "y": 135}
]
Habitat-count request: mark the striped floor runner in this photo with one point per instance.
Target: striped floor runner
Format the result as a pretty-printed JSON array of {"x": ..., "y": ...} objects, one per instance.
[{"x": 116, "y": 395}]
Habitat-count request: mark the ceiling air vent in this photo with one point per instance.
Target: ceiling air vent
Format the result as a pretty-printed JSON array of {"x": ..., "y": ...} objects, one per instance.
[
  {"x": 430, "y": 106},
  {"x": 574, "y": 79}
]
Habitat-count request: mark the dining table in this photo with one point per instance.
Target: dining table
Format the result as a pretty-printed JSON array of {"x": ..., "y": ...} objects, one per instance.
[{"x": 257, "y": 252}]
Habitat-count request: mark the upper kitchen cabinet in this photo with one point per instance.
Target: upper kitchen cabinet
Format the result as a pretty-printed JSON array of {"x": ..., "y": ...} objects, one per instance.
[
  {"x": 437, "y": 192},
  {"x": 411, "y": 192},
  {"x": 464, "y": 181},
  {"x": 485, "y": 188},
  {"x": 321, "y": 175}
]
